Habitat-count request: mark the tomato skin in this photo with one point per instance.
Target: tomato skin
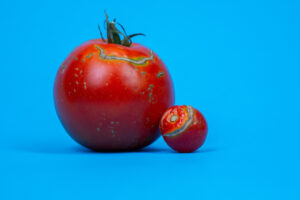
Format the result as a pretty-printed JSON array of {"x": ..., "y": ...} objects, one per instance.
[
  {"x": 184, "y": 128},
  {"x": 108, "y": 100}
]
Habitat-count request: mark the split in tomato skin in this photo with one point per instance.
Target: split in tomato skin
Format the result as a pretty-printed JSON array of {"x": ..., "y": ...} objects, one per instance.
[
  {"x": 110, "y": 97},
  {"x": 183, "y": 128}
]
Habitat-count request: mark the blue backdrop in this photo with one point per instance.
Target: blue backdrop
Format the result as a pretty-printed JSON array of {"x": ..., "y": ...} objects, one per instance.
[{"x": 236, "y": 61}]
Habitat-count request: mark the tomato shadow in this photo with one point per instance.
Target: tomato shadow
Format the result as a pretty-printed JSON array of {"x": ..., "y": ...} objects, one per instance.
[
  {"x": 83, "y": 150},
  {"x": 48, "y": 148},
  {"x": 79, "y": 149},
  {"x": 42, "y": 147}
]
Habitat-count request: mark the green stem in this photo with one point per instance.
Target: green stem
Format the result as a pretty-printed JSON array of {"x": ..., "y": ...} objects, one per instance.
[{"x": 113, "y": 33}]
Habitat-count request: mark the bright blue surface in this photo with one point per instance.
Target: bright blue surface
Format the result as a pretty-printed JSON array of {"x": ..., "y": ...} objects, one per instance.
[{"x": 236, "y": 61}]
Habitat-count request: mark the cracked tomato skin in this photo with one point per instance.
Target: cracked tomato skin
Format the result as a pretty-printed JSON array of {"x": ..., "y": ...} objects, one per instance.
[
  {"x": 184, "y": 128},
  {"x": 111, "y": 97}
]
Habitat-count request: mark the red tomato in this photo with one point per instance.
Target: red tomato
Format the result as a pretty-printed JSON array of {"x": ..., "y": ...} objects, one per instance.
[
  {"x": 111, "y": 97},
  {"x": 184, "y": 128}
]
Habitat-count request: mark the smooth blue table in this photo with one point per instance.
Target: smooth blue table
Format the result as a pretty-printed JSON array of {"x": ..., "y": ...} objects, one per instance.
[{"x": 236, "y": 61}]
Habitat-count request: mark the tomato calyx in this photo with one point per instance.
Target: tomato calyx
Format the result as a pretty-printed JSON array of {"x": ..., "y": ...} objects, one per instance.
[{"x": 114, "y": 34}]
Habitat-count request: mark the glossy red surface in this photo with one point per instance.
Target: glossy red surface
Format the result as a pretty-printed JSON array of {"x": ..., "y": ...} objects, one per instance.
[
  {"x": 185, "y": 134},
  {"x": 108, "y": 99}
]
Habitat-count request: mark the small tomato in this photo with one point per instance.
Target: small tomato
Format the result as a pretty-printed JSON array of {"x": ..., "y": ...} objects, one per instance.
[{"x": 183, "y": 128}]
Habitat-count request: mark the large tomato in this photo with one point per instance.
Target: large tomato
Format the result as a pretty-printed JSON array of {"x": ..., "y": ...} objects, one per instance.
[{"x": 110, "y": 97}]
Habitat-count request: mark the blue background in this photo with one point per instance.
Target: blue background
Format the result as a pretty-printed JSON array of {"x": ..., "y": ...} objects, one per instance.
[{"x": 236, "y": 61}]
